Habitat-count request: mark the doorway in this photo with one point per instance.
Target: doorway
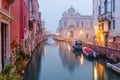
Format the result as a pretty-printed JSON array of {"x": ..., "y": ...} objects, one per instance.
[
  {"x": 71, "y": 34},
  {"x": 3, "y": 43}
]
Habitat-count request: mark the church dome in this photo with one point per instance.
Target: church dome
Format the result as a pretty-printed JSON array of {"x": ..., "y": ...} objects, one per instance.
[{"x": 71, "y": 10}]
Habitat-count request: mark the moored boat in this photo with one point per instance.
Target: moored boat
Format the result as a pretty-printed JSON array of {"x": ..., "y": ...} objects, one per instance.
[
  {"x": 88, "y": 52},
  {"x": 114, "y": 67},
  {"x": 77, "y": 46}
]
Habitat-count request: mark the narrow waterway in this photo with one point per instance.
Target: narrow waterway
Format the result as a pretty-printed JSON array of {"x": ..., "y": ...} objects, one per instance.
[{"x": 55, "y": 61}]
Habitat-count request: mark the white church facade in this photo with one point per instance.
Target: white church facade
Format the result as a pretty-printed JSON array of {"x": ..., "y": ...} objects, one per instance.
[{"x": 75, "y": 26}]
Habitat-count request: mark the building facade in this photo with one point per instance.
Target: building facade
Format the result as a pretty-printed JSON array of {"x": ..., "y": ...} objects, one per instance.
[
  {"x": 5, "y": 19},
  {"x": 20, "y": 22},
  {"x": 106, "y": 20},
  {"x": 75, "y": 26}
]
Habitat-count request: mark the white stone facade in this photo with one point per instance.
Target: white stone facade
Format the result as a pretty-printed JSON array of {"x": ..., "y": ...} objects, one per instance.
[
  {"x": 76, "y": 26},
  {"x": 107, "y": 19}
]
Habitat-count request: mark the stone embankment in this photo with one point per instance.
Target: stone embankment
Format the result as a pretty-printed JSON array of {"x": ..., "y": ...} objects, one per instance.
[{"x": 104, "y": 51}]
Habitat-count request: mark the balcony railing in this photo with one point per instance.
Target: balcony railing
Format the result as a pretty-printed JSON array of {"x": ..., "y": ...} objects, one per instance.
[{"x": 105, "y": 17}]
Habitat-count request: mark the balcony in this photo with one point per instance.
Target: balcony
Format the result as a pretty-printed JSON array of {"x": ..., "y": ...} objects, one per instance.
[{"x": 105, "y": 17}]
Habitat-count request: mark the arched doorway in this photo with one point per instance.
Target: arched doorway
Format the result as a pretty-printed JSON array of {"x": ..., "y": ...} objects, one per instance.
[{"x": 71, "y": 35}]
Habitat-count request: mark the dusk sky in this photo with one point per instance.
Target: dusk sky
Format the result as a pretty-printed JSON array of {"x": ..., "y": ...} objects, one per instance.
[{"x": 52, "y": 10}]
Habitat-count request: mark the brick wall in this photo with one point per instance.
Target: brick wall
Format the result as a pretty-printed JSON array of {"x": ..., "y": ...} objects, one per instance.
[{"x": 103, "y": 50}]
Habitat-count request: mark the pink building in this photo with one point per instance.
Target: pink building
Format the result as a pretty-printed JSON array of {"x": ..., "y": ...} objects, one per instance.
[
  {"x": 20, "y": 24},
  {"x": 35, "y": 19},
  {"x": 5, "y": 19},
  {"x": 19, "y": 21}
]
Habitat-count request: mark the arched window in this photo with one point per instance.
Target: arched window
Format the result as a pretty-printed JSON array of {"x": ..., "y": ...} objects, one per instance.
[
  {"x": 65, "y": 24},
  {"x": 77, "y": 24}
]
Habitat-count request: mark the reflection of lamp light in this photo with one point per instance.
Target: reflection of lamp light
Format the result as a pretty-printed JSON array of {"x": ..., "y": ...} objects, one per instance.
[
  {"x": 95, "y": 72},
  {"x": 82, "y": 59},
  {"x": 44, "y": 50},
  {"x": 58, "y": 45},
  {"x": 69, "y": 48}
]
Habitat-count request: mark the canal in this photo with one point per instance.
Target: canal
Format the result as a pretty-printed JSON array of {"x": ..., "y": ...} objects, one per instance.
[{"x": 55, "y": 61}]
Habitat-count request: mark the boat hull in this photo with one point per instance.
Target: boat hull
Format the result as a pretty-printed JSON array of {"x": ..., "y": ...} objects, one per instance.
[
  {"x": 88, "y": 52},
  {"x": 114, "y": 67}
]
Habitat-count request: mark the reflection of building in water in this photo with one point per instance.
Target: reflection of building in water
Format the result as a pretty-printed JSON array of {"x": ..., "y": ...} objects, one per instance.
[
  {"x": 81, "y": 59},
  {"x": 75, "y": 26},
  {"x": 68, "y": 58},
  {"x": 101, "y": 74}
]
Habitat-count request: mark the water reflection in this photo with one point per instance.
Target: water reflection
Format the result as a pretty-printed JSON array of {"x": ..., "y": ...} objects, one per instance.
[
  {"x": 68, "y": 58},
  {"x": 34, "y": 68},
  {"x": 56, "y": 61}
]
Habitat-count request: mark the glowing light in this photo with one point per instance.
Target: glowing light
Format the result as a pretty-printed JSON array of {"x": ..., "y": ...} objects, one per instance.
[
  {"x": 81, "y": 32},
  {"x": 57, "y": 34},
  {"x": 68, "y": 33},
  {"x": 82, "y": 59},
  {"x": 95, "y": 72},
  {"x": 58, "y": 46}
]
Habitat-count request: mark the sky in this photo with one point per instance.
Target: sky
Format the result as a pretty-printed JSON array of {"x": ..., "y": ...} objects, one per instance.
[{"x": 52, "y": 10}]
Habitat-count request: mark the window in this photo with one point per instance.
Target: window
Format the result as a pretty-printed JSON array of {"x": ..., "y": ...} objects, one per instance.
[
  {"x": 114, "y": 39},
  {"x": 99, "y": 27},
  {"x": 26, "y": 44},
  {"x": 64, "y": 24},
  {"x": 113, "y": 24},
  {"x": 91, "y": 23},
  {"x": 77, "y": 24},
  {"x": 29, "y": 4},
  {"x": 24, "y": 20},
  {"x": 102, "y": 26},
  {"x": 105, "y": 4},
  {"x": 99, "y": 10},
  {"x": 82, "y": 24},
  {"x": 113, "y": 5},
  {"x": 109, "y": 25},
  {"x": 87, "y": 36}
]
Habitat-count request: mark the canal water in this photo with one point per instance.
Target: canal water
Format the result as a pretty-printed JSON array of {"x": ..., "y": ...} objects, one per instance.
[{"x": 55, "y": 61}]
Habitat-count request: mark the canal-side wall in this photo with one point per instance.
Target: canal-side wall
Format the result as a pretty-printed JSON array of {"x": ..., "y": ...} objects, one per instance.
[
  {"x": 114, "y": 45},
  {"x": 103, "y": 50}
]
